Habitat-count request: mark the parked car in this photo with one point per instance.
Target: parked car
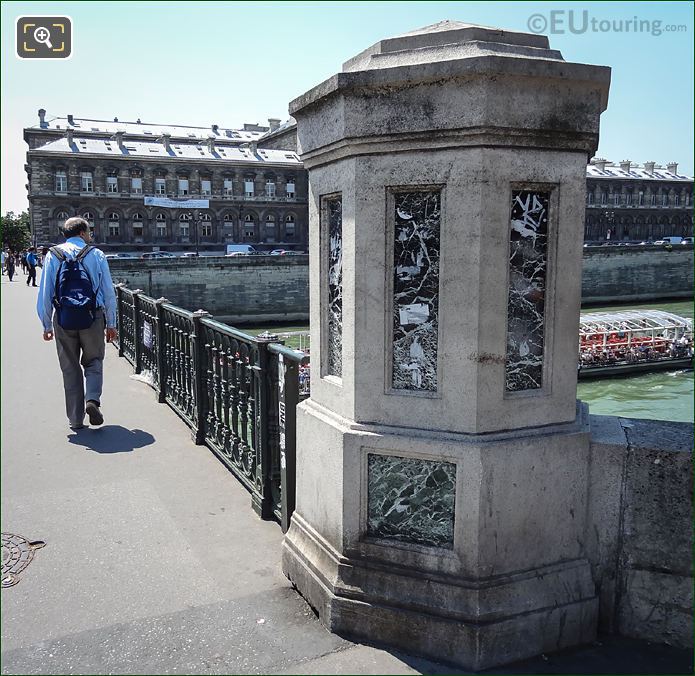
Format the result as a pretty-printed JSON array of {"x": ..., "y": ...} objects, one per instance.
[
  {"x": 669, "y": 240},
  {"x": 157, "y": 254},
  {"x": 243, "y": 249},
  {"x": 687, "y": 240},
  {"x": 189, "y": 254},
  {"x": 120, "y": 256}
]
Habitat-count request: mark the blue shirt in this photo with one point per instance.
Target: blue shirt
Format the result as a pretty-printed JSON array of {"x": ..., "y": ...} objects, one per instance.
[
  {"x": 97, "y": 267},
  {"x": 32, "y": 258}
]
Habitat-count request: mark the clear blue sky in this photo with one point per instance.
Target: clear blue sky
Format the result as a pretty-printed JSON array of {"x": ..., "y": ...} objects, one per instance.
[{"x": 228, "y": 63}]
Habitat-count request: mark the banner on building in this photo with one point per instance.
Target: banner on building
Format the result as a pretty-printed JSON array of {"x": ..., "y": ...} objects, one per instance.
[{"x": 168, "y": 203}]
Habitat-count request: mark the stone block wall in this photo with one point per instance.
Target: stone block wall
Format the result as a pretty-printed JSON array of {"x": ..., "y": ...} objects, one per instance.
[
  {"x": 640, "y": 534},
  {"x": 240, "y": 289},
  {"x": 636, "y": 273}
]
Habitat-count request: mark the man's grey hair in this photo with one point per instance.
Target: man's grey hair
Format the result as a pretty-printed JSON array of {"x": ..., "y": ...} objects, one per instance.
[{"x": 75, "y": 226}]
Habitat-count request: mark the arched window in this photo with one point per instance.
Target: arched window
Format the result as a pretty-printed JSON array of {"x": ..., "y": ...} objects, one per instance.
[
  {"x": 137, "y": 225},
  {"x": 89, "y": 217},
  {"x": 206, "y": 225},
  {"x": 289, "y": 227},
  {"x": 270, "y": 228},
  {"x": 249, "y": 226},
  {"x": 228, "y": 218},
  {"x": 184, "y": 227},
  {"x": 114, "y": 224},
  {"x": 161, "y": 221},
  {"x": 61, "y": 217}
]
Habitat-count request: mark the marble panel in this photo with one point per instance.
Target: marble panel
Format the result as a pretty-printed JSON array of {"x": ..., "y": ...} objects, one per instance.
[
  {"x": 411, "y": 500},
  {"x": 416, "y": 290},
  {"x": 528, "y": 263},
  {"x": 333, "y": 214}
]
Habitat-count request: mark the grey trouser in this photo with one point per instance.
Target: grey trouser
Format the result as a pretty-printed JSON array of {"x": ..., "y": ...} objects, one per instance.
[{"x": 78, "y": 350}]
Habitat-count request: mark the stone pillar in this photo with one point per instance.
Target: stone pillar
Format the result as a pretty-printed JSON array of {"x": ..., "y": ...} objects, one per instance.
[{"x": 442, "y": 458}]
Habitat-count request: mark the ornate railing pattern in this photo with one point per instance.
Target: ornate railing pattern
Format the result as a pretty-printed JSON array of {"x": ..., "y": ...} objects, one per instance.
[
  {"x": 237, "y": 392},
  {"x": 126, "y": 325}
]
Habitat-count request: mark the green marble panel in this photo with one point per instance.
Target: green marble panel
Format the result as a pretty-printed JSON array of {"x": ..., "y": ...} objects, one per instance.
[{"x": 412, "y": 500}]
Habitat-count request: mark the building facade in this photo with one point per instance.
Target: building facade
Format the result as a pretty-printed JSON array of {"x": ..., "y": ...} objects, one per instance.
[
  {"x": 103, "y": 171},
  {"x": 628, "y": 202},
  {"x": 257, "y": 187}
]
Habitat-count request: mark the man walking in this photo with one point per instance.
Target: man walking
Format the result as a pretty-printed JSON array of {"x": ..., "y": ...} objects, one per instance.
[
  {"x": 78, "y": 348},
  {"x": 32, "y": 262}
]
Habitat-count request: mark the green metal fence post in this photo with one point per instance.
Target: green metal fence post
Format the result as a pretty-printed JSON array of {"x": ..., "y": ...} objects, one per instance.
[
  {"x": 199, "y": 375},
  {"x": 119, "y": 316},
  {"x": 137, "y": 330},
  {"x": 267, "y": 425},
  {"x": 161, "y": 350}
]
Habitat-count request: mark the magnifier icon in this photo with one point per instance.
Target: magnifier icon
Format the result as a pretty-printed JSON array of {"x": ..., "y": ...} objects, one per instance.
[{"x": 43, "y": 36}]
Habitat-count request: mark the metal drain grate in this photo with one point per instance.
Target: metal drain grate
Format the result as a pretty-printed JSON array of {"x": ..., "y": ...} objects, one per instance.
[{"x": 17, "y": 553}]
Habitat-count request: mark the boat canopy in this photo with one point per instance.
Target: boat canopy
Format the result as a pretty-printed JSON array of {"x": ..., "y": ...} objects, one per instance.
[{"x": 633, "y": 321}]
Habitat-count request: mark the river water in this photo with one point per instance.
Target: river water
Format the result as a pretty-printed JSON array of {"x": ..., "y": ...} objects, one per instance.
[{"x": 664, "y": 395}]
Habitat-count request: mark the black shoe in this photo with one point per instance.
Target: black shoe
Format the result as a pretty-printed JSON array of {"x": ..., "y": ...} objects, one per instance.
[{"x": 92, "y": 410}]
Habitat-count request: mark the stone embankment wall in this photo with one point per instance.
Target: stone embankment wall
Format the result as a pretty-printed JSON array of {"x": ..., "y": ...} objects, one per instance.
[
  {"x": 640, "y": 528},
  {"x": 635, "y": 273},
  {"x": 240, "y": 289},
  {"x": 262, "y": 288}
]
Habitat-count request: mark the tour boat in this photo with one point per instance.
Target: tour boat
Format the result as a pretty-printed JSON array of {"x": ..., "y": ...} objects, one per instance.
[{"x": 633, "y": 341}]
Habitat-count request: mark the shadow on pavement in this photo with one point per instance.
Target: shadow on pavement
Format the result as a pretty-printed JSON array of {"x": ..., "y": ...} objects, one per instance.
[{"x": 110, "y": 439}]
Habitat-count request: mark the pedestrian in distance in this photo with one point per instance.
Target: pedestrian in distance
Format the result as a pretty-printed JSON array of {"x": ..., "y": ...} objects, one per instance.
[
  {"x": 32, "y": 260},
  {"x": 4, "y": 258},
  {"x": 23, "y": 260},
  {"x": 10, "y": 265},
  {"x": 77, "y": 305}
]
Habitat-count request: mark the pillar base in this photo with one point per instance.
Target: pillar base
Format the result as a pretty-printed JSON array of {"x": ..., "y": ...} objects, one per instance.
[{"x": 475, "y": 624}]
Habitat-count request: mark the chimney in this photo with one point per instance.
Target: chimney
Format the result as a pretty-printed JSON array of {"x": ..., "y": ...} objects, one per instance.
[
  {"x": 69, "y": 136},
  {"x": 71, "y": 120},
  {"x": 274, "y": 123},
  {"x": 215, "y": 129},
  {"x": 649, "y": 167},
  {"x": 211, "y": 143},
  {"x": 166, "y": 140},
  {"x": 42, "y": 117},
  {"x": 625, "y": 165},
  {"x": 138, "y": 121},
  {"x": 600, "y": 163},
  {"x": 253, "y": 147},
  {"x": 672, "y": 167},
  {"x": 119, "y": 138},
  {"x": 115, "y": 119}
]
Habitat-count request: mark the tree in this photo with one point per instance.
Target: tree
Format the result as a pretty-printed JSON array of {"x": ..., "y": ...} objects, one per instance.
[{"x": 15, "y": 231}]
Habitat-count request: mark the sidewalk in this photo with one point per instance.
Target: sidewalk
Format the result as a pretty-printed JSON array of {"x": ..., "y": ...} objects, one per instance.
[{"x": 154, "y": 561}]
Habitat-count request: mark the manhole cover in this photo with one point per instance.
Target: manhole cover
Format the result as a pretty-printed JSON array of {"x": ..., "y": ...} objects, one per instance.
[{"x": 17, "y": 553}]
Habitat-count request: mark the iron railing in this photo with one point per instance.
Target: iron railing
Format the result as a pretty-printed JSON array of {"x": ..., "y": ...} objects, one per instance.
[{"x": 238, "y": 393}]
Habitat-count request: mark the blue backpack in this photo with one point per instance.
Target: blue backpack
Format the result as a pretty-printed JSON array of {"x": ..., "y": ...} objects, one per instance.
[{"x": 75, "y": 300}]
